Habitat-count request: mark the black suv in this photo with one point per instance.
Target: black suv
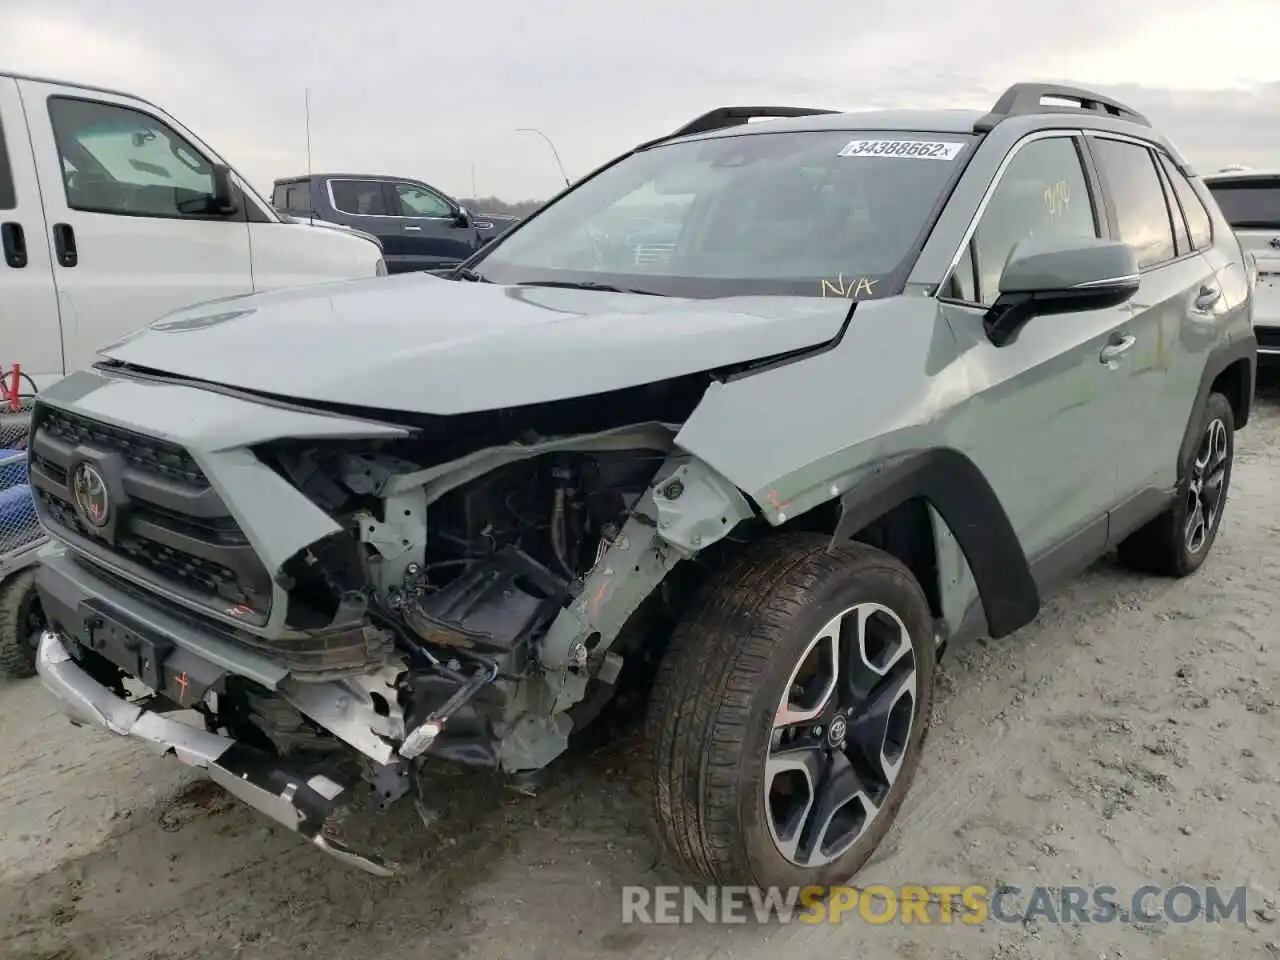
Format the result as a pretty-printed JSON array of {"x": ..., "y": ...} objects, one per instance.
[{"x": 420, "y": 227}]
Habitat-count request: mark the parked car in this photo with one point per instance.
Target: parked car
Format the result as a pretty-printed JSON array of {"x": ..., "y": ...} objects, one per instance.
[
  {"x": 113, "y": 213},
  {"x": 420, "y": 227},
  {"x": 901, "y": 376},
  {"x": 1250, "y": 200}
]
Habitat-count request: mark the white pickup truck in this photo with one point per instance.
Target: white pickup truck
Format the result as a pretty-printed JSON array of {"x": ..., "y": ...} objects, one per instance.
[{"x": 113, "y": 213}]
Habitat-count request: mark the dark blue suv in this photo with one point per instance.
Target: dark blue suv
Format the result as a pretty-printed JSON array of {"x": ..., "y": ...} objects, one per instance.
[{"x": 420, "y": 227}]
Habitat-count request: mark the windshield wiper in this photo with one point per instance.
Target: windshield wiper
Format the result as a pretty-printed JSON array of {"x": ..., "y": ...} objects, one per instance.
[
  {"x": 466, "y": 273},
  {"x": 585, "y": 285}
]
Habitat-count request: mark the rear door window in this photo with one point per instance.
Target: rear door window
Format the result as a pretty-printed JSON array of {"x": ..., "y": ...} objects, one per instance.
[
  {"x": 8, "y": 195},
  {"x": 1249, "y": 202},
  {"x": 1181, "y": 234},
  {"x": 364, "y": 198}
]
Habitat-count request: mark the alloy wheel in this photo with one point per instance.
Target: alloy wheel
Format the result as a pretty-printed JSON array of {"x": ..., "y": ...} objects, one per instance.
[
  {"x": 1206, "y": 487},
  {"x": 840, "y": 734}
]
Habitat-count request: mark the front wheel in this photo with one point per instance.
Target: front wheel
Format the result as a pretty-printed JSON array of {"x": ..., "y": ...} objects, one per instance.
[
  {"x": 21, "y": 622},
  {"x": 789, "y": 713}
]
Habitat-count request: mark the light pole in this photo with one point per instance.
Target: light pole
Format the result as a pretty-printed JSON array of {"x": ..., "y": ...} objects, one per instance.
[{"x": 554, "y": 152}]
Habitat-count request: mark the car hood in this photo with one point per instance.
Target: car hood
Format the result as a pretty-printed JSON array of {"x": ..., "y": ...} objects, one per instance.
[{"x": 415, "y": 342}]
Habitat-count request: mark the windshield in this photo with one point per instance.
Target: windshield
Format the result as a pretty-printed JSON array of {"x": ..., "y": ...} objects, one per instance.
[
  {"x": 1246, "y": 203},
  {"x": 828, "y": 213}
]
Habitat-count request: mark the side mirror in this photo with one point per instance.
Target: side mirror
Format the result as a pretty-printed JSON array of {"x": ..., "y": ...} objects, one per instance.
[
  {"x": 223, "y": 201},
  {"x": 1048, "y": 276},
  {"x": 461, "y": 217}
]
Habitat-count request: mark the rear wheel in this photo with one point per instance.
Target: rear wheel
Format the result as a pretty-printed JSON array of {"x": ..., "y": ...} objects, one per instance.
[
  {"x": 21, "y": 622},
  {"x": 1175, "y": 543},
  {"x": 789, "y": 712}
]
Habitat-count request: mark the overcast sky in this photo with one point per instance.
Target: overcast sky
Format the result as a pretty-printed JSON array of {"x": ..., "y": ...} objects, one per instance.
[{"x": 435, "y": 90}]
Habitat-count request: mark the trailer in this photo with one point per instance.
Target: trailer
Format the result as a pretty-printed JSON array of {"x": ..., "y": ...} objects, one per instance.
[{"x": 21, "y": 538}]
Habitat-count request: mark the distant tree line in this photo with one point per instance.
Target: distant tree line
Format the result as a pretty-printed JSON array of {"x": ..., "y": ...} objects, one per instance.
[{"x": 493, "y": 205}]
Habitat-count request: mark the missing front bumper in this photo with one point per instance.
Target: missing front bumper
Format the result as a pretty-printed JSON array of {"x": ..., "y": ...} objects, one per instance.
[{"x": 304, "y": 805}]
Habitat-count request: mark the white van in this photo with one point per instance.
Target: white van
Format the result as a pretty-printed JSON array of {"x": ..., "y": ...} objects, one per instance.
[{"x": 112, "y": 213}]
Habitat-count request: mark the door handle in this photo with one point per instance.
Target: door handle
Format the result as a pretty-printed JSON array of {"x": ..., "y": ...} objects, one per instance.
[
  {"x": 1207, "y": 297},
  {"x": 14, "y": 242},
  {"x": 64, "y": 244},
  {"x": 1114, "y": 351},
  {"x": 410, "y": 226}
]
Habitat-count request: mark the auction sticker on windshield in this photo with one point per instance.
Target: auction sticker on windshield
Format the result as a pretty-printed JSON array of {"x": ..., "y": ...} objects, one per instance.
[{"x": 906, "y": 149}]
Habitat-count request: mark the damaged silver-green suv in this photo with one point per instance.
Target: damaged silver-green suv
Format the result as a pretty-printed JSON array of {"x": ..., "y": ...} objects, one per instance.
[{"x": 752, "y": 422}]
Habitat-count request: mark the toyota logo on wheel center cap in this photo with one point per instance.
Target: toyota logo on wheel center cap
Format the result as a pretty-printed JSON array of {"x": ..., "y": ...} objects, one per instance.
[
  {"x": 836, "y": 732},
  {"x": 89, "y": 491}
]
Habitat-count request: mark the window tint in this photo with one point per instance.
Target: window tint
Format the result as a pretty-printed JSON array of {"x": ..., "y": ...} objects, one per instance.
[
  {"x": 1043, "y": 193},
  {"x": 8, "y": 195},
  {"x": 417, "y": 202},
  {"x": 278, "y": 196},
  {"x": 1141, "y": 213},
  {"x": 1198, "y": 221},
  {"x": 121, "y": 161},
  {"x": 1249, "y": 203},
  {"x": 363, "y": 197}
]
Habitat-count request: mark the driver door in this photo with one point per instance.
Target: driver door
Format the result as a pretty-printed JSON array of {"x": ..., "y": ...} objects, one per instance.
[
  {"x": 126, "y": 248},
  {"x": 431, "y": 226},
  {"x": 1045, "y": 422}
]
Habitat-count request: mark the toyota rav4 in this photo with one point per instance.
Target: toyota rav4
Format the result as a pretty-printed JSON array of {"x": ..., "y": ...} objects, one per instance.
[{"x": 888, "y": 380}]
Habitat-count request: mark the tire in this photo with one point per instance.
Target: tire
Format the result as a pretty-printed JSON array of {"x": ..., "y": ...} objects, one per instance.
[
  {"x": 1164, "y": 547},
  {"x": 709, "y": 733},
  {"x": 20, "y": 625}
]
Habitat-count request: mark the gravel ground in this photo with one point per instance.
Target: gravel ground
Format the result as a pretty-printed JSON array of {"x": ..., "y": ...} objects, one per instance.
[{"x": 1127, "y": 737}]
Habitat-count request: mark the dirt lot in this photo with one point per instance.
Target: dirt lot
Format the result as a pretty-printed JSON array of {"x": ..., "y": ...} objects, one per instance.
[{"x": 1128, "y": 737}]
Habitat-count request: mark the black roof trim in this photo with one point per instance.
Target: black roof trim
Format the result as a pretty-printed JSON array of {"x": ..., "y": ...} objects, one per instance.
[
  {"x": 722, "y": 117},
  {"x": 1023, "y": 99}
]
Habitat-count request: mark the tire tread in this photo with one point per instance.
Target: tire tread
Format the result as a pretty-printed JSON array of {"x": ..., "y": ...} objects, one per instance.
[
  {"x": 16, "y": 662},
  {"x": 706, "y": 688}
]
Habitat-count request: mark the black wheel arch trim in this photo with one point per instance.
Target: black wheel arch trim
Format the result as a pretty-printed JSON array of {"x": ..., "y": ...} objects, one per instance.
[
  {"x": 1220, "y": 358},
  {"x": 954, "y": 486}
]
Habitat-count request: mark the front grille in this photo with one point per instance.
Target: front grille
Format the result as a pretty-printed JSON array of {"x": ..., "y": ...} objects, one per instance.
[
  {"x": 167, "y": 525},
  {"x": 151, "y": 455}
]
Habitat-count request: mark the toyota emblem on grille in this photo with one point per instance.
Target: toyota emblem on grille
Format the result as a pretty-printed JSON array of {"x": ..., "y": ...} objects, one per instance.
[{"x": 89, "y": 490}]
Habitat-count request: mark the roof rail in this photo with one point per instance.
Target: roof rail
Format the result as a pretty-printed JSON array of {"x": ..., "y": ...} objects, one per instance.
[
  {"x": 1023, "y": 99},
  {"x": 722, "y": 117}
]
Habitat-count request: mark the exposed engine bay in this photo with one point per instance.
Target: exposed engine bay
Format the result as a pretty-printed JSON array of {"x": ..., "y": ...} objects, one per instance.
[{"x": 497, "y": 601}]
